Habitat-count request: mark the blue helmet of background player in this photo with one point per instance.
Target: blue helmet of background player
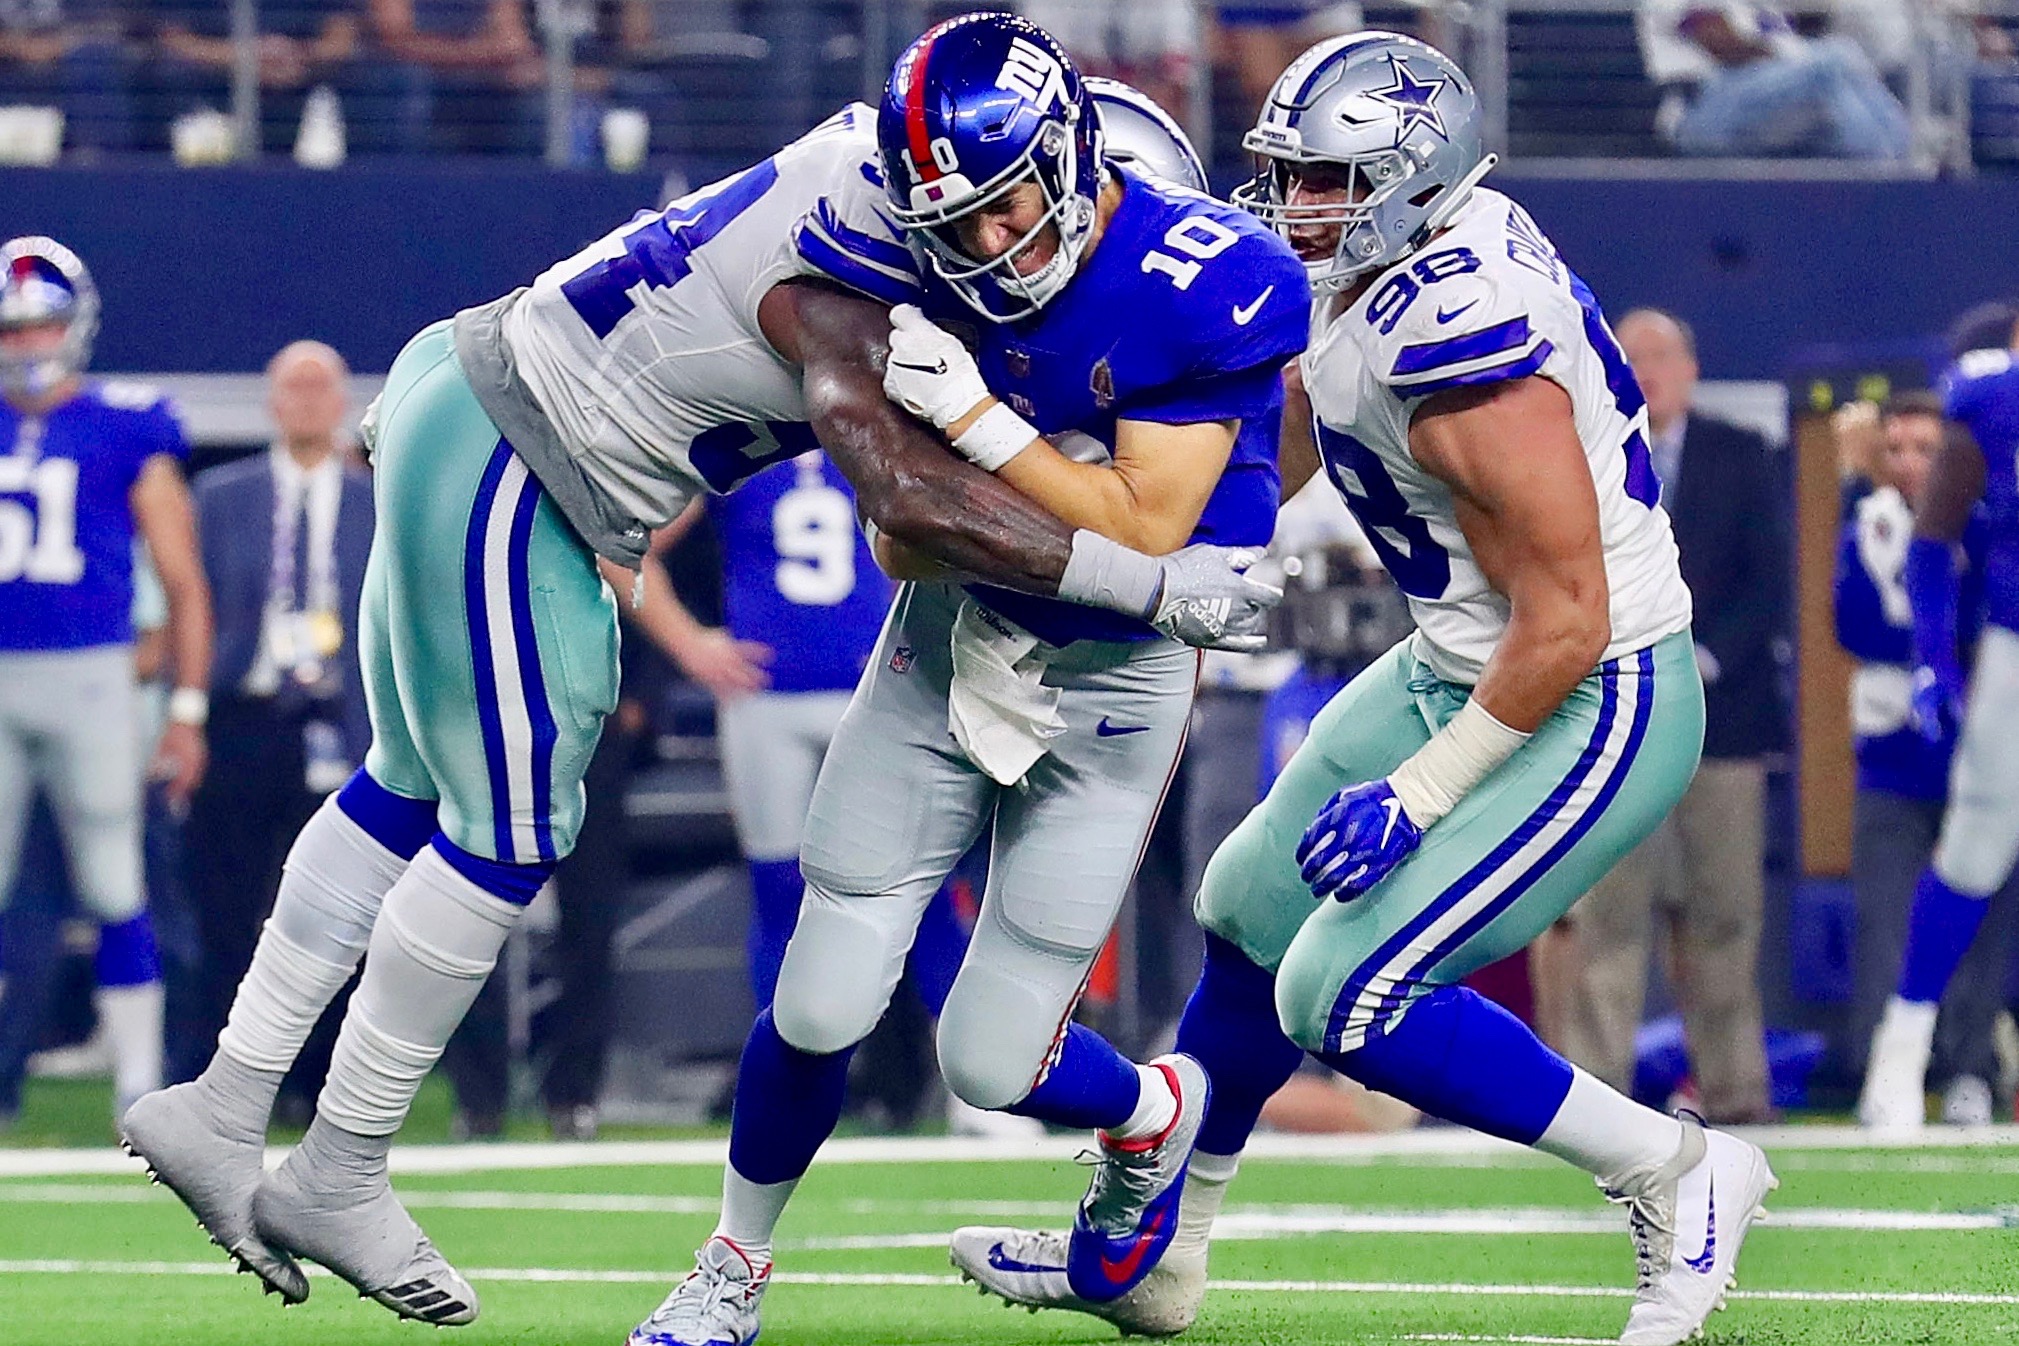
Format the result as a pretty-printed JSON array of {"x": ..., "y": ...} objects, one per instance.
[
  {"x": 1398, "y": 124},
  {"x": 1139, "y": 133},
  {"x": 975, "y": 107},
  {"x": 44, "y": 284}
]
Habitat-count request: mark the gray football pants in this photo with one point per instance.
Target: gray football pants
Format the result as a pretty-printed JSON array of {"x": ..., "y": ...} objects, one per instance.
[
  {"x": 896, "y": 806},
  {"x": 68, "y": 725},
  {"x": 772, "y": 745}
]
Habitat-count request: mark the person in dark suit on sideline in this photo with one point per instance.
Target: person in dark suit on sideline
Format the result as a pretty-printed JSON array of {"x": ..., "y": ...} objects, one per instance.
[
  {"x": 1702, "y": 870},
  {"x": 285, "y": 535}
]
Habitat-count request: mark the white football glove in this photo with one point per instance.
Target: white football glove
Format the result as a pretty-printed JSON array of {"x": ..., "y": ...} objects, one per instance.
[
  {"x": 930, "y": 374},
  {"x": 1210, "y": 602}
]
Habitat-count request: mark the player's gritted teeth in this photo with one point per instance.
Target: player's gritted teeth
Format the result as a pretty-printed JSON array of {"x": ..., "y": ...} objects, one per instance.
[
  {"x": 1318, "y": 189},
  {"x": 995, "y": 229}
]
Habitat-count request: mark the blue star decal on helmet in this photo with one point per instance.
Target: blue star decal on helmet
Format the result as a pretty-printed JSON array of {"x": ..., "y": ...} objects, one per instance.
[{"x": 1416, "y": 98}]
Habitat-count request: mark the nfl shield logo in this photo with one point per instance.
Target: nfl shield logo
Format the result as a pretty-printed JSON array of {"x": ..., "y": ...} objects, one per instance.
[
  {"x": 1103, "y": 384},
  {"x": 1019, "y": 362},
  {"x": 902, "y": 658}
]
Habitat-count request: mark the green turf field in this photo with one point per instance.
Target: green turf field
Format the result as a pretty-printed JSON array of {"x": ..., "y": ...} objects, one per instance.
[{"x": 1871, "y": 1246}]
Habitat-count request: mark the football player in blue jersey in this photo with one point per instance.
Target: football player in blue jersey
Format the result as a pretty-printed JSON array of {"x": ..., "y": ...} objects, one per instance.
[
  {"x": 1472, "y": 405},
  {"x": 1974, "y": 472},
  {"x": 1129, "y": 340},
  {"x": 83, "y": 468}
]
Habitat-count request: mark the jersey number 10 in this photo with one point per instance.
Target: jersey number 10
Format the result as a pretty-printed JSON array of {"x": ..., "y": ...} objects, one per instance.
[{"x": 38, "y": 541}]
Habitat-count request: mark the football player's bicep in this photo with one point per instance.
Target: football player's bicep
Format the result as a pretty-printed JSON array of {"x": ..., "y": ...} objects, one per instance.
[
  {"x": 1521, "y": 487},
  {"x": 1172, "y": 471},
  {"x": 166, "y": 518}
]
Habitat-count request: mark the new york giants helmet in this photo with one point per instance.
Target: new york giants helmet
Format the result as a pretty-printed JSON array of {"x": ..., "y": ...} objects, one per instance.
[
  {"x": 1398, "y": 119},
  {"x": 43, "y": 283},
  {"x": 975, "y": 107},
  {"x": 1139, "y": 133}
]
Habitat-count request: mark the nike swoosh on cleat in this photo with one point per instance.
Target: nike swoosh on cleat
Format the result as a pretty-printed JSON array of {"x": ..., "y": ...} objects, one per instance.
[
  {"x": 1002, "y": 1261},
  {"x": 1456, "y": 313},
  {"x": 1701, "y": 1263},
  {"x": 1245, "y": 315},
  {"x": 1106, "y": 729},
  {"x": 1117, "y": 1272},
  {"x": 937, "y": 367}
]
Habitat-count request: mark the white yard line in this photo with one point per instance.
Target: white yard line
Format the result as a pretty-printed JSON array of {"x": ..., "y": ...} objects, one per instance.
[
  {"x": 564, "y": 1275},
  {"x": 1437, "y": 1145},
  {"x": 1528, "y": 1340}
]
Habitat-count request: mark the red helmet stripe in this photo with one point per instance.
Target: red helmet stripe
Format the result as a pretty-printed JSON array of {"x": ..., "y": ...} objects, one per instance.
[{"x": 914, "y": 114}]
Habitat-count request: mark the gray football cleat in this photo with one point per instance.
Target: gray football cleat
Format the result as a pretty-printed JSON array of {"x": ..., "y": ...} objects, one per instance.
[
  {"x": 1027, "y": 1269},
  {"x": 176, "y": 1134},
  {"x": 363, "y": 1234},
  {"x": 715, "y": 1306}
]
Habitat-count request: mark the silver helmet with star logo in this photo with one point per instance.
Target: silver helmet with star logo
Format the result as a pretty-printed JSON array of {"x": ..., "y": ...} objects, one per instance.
[{"x": 1388, "y": 128}]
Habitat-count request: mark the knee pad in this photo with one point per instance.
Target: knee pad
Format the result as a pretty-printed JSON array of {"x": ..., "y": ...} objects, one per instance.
[
  {"x": 839, "y": 971},
  {"x": 995, "y": 1036},
  {"x": 1312, "y": 1000},
  {"x": 1978, "y": 845},
  {"x": 105, "y": 861}
]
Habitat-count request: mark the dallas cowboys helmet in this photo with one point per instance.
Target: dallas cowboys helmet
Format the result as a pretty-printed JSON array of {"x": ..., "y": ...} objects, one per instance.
[
  {"x": 43, "y": 283},
  {"x": 1398, "y": 118},
  {"x": 977, "y": 106},
  {"x": 1144, "y": 136}
]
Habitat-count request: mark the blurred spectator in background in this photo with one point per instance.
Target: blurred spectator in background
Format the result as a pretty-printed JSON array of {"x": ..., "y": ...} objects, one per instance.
[
  {"x": 484, "y": 73},
  {"x": 1903, "y": 778},
  {"x": 302, "y": 44},
  {"x": 1702, "y": 869},
  {"x": 1740, "y": 81},
  {"x": 71, "y": 55},
  {"x": 1260, "y": 40},
  {"x": 285, "y": 535},
  {"x": 1152, "y": 44}
]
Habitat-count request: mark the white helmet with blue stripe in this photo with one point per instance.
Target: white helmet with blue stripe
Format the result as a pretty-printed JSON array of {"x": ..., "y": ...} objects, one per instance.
[
  {"x": 1396, "y": 121},
  {"x": 44, "y": 284},
  {"x": 1142, "y": 135}
]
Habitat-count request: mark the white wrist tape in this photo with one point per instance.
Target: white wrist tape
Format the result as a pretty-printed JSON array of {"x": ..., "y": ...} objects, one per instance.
[
  {"x": 1102, "y": 573},
  {"x": 1459, "y": 756},
  {"x": 997, "y": 436},
  {"x": 190, "y": 706}
]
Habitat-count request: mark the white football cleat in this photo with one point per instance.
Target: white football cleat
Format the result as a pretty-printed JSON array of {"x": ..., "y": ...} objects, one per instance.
[
  {"x": 365, "y": 1236},
  {"x": 1688, "y": 1218},
  {"x": 176, "y": 1134},
  {"x": 1027, "y": 1269},
  {"x": 715, "y": 1306},
  {"x": 1894, "y": 1099},
  {"x": 1967, "y": 1102}
]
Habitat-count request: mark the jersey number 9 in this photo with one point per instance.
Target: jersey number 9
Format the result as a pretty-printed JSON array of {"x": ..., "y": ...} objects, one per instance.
[{"x": 813, "y": 529}]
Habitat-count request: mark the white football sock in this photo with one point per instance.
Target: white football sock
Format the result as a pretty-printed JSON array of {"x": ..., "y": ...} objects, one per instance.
[
  {"x": 330, "y": 891},
  {"x": 750, "y": 1211},
  {"x": 1605, "y": 1133},
  {"x": 132, "y": 1019},
  {"x": 1156, "y": 1106},
  {"x": 436, "y": 940},
  {"x": 1206, "y": 1180}
]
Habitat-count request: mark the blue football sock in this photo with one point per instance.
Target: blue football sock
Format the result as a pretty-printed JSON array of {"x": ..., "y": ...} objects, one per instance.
[
  {"x": 1230, "y": 1026},
  {"x": 1092, "y": 1086},
  {"x": 1458, "y": 1056},
  {"x": 508, "y": 882},
  {"x": 1939, "y": 932},
  {"x": 776, "y": 890},
  {"x": 787, "y": 1105},
  {"x": 127, "y": 954},
  {"x": 399, "y": 824},
  {"x": 936, "y": 952}
]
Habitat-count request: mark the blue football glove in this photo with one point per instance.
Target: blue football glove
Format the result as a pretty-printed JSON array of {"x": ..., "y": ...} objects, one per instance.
[
  {"x": 1937, "y": 705},
  {"x": 1359, "y": 836}
]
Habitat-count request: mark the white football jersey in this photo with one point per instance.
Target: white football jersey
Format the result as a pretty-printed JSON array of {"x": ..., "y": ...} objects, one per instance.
[
  {"x": 644, "y": 349},
  {"x": 1487, "y": 300}
]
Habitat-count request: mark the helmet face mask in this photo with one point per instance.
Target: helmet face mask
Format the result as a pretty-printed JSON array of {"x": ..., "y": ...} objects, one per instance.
[
  {"x": 44, "y": 287},
  {"x": 1399, "y": 126},
  {"x": 1001, "y": 103},
  {"x": 1143, "y": 136}
]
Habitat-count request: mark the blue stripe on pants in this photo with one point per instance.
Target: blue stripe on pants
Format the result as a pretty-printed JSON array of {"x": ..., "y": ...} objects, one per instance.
[
  {"x": 485, "y": 669},
  {"x": 534, "y": 685}
]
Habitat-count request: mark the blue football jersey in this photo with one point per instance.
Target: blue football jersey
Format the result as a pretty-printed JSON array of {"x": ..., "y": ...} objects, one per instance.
[
  {"x": 1186, "y": 311},
  {"x": 1982, "y": 394},
  {"x": 66, "y": 528},
  {"x": 797, "y": 574}
]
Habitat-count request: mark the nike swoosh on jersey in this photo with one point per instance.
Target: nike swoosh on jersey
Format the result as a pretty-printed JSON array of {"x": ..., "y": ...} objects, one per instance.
[
  {"x": 1456, "y": 313},
  {"x": 1117, "y": 1272},
  {"x": 1002, "y": 1261},
  {"x": 1244, "y": 316},
  {"x": 1108, "y": 729},
  {"x": 937, "y": 367},
  {"x": 1701, "y": 1263}
]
